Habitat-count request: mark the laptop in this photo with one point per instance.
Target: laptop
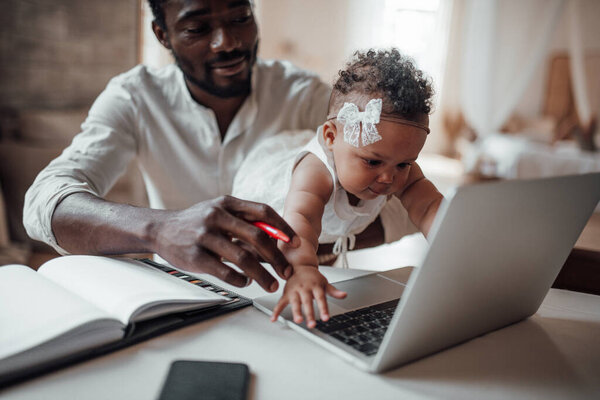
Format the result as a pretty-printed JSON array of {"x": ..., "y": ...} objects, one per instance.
[{"x": 494, "y": 251}]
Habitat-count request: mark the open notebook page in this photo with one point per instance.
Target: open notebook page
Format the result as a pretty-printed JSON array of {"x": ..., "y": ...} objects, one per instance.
[
  {"x": 34, "y": 310},
  {"x": 127, "y": 289}
]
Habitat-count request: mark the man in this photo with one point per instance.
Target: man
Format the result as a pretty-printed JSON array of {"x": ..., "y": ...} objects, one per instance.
[{"x": 189, "y": 126}]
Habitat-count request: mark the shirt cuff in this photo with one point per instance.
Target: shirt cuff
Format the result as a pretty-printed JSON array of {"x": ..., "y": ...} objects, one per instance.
[{"x": 37, "y": 218}]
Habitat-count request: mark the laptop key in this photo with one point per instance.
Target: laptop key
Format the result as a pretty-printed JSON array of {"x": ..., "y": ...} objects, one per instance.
[
  {"x": 339, "y": 318},
  {"x": 368, "y": 348},
  {"x": 363, "y": 329}
]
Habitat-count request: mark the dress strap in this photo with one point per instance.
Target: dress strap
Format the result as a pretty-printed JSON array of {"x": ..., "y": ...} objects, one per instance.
[{"x": 342, "y": 245}]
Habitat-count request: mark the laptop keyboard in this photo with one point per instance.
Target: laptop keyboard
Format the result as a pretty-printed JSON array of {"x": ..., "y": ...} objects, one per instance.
[{"x": 362, "y": 329}]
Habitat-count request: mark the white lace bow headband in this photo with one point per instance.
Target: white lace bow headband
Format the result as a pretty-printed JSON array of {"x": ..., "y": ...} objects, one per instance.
[{"x": 352, "y": 119}]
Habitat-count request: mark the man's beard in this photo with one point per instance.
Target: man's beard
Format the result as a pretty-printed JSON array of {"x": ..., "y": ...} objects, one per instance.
[{"x": 235, "y": 89}]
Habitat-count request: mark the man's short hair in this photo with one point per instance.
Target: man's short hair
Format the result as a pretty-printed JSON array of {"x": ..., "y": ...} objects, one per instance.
[
  {"x": 157, "y": 7},
  {"x": 158, "y": 10}
]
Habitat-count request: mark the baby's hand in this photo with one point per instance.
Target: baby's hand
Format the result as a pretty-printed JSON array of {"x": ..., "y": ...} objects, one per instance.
[{"x": 306, "y": 284}]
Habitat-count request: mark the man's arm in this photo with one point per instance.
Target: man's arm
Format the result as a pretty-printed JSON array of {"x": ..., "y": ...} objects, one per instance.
[
  {"x": 195, "y": 239},
  {"x": 64, "y": 206}
]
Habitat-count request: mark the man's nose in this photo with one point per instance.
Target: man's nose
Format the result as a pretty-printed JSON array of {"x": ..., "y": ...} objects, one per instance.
[{"x": 223, "y": 40}]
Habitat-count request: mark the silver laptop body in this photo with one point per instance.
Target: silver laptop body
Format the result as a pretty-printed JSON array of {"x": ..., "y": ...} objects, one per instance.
[{"x": 495, "y": 250}]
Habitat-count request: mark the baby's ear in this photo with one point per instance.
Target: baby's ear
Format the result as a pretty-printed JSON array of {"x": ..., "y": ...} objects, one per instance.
[{"x": 329, "y": 133}]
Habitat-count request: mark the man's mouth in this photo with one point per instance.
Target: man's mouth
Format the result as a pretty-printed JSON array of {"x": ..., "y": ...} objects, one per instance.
[{"x": 230, "y": 67}]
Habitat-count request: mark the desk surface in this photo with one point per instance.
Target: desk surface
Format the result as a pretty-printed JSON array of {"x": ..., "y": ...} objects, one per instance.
[{"x": 553, "y": 355}]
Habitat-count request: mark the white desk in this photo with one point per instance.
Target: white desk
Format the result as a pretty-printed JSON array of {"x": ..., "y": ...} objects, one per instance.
[{"x": 553, "y": 355}]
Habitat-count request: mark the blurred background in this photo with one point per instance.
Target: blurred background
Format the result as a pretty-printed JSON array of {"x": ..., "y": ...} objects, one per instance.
[{"x": 517, "y": 86}]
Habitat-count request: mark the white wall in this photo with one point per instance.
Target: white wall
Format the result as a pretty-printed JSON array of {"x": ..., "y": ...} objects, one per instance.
[{"x": 310, "y": 33}]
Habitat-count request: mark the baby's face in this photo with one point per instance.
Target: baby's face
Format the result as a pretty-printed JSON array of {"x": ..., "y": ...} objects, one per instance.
[{"x": 381, "y": 168}]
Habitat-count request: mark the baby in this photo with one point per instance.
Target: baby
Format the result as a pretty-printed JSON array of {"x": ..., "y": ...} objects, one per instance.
[{"x": 338, "y": 183}]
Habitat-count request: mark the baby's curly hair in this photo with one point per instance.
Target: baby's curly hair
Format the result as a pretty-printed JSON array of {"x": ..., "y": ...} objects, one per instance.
[{"x": 404, "y": 89}]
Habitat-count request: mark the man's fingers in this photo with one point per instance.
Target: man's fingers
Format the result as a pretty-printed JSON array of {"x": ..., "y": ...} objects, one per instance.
[
  {"x": 321, "y": 303},
  {"x": 224, "y": 247},
  {"x": 333, "y": 292},
  {"x": 259, "y": 212},
  {"x": 227, "y": 222},
  {"x": 227, "y": 274}
]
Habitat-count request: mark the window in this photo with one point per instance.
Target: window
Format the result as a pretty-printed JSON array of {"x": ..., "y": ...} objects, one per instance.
[{"x": 418, "y": 29}]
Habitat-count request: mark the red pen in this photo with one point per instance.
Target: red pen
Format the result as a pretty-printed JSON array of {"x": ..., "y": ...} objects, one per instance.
[{"x": 272, "y": 231}]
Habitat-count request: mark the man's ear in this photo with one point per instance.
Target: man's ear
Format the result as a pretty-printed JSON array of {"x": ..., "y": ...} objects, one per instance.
[
  {"x": 329, "y": 133},
  {"x": 161, "y": 35}
]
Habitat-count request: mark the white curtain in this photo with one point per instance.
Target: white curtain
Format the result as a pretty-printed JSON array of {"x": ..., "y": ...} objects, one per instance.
[
  {"x": 577, "y": 63},
  {"x": 502, "y": 49}
]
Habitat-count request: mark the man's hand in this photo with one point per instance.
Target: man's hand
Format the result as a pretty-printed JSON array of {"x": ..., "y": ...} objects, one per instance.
[
  {"x": 194, "y": 239},
  {"x": 306, "y": 284},
  {"x": 199, "y": 237}
]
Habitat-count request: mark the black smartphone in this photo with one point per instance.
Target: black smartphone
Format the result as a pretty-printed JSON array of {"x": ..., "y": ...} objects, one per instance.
[{"x": 191, "y": 380}]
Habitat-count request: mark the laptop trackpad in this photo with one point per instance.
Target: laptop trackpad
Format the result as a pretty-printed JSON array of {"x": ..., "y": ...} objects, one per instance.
[{"x": 366, "y": 291}]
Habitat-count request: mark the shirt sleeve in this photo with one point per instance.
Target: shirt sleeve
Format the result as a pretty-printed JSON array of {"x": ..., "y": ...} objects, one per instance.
[
  {"x": 314, "y": 104},
  {"x": 395, "y": 221},
  {"x": 92, "y": 163},
  {"x": 310, "y": 98}
]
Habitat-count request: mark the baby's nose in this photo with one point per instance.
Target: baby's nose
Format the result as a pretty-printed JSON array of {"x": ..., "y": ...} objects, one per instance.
[{"x": 386, "y": 177}]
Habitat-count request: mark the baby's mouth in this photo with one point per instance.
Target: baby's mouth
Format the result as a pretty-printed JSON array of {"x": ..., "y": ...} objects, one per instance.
[{"x": 383, "y": 192}]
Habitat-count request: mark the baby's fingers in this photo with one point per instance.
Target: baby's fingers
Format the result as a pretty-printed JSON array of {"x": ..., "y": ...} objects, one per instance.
[
  {"x": 307, "y": 305},
  {"x": 281, "y": 304},
  {"x": 296, "y": 309},
  {"x": 333, "y": 292},
  {"x": 321, "y": 303}
]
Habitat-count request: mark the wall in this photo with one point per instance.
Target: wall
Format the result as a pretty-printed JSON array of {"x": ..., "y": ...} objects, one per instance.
[
  {"x": 55, "y": 58},
  {"x": 310, "y": 33},
  {"x": 61, "y": 54}
]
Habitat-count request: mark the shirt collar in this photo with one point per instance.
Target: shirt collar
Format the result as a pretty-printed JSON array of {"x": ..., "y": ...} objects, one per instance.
[{"x": 245, "y": 116}]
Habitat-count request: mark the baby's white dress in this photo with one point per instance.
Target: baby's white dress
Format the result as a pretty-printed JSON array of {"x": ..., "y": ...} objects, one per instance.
[{"x": 266, "y": 174}]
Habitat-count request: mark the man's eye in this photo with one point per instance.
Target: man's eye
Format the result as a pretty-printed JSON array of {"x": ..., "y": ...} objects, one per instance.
[
  {"x": 372, "y": 163},
  {"x": 403, "y": 165},
  {"x": 197, "y": 30},
  {"x": 241, "y": 19}
]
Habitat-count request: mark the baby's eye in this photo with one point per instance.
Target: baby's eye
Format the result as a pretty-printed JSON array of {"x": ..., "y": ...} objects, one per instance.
[
  {"x": 403, "y": 165},
  {"x": 372, "y": 163}
]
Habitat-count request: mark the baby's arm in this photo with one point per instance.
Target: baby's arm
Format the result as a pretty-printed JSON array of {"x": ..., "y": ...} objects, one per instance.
[
  {"x": 420, "y": 198},
  {"x": 310, "y": 190}
]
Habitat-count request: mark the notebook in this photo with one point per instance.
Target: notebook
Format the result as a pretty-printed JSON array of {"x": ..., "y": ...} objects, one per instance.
[
  {"x": 494, "y": 251},
  {"x": 93, "y": 306}
]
